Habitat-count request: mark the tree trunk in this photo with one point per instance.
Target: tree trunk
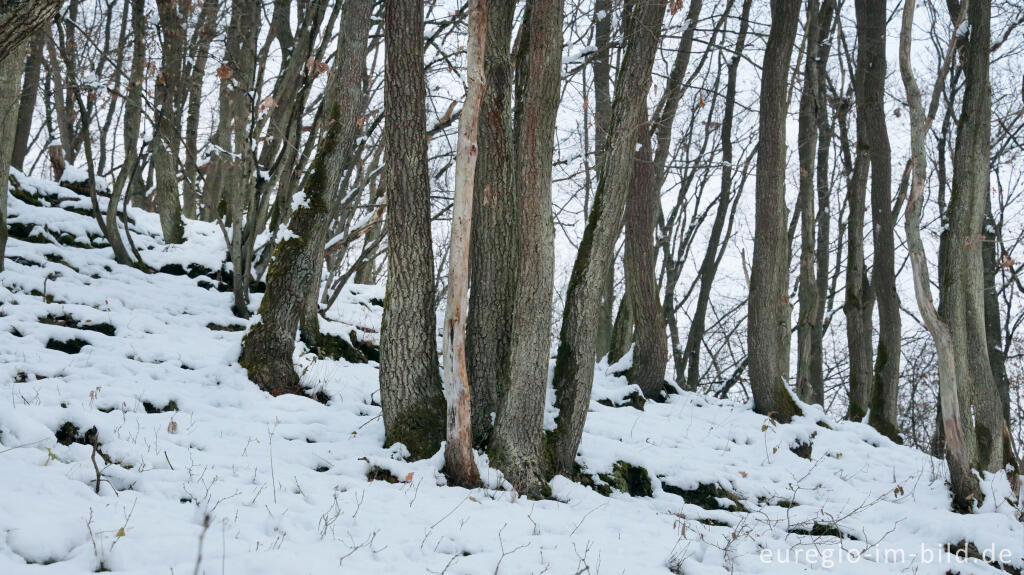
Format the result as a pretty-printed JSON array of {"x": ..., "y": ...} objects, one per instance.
[
  {"x": 807, "y": 388},
  {"x": 492, "y": 250},
  {"x": 574, "y": 364},
  {"x": 517, "y": 445},
  {"x": 29, "y": 95},
  {"x": 19, "y": 20},
  {"x": 11, "y": 69},
  {"x": 871, "y": 21},
  {"x": 601, "y": 64},
  {"x": 964, "y": 482},
  {"x": 622, "y": 329},
  {"x": 769, "y": 305},
  {"x": 689, "y": 370},
  {"x": 962, "y": 281},
  {"x": 410, "y": 386},
  {"x": 294, "y": 271},
  {"x": 459, "y": 464},
  {"x": 167, "y": 131},
  {"x": 650, "y": 351},
  {"x": 193, "y": 91}
]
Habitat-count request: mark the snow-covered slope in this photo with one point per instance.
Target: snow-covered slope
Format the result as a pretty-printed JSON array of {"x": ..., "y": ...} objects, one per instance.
[{"x": 200, "y": 472}]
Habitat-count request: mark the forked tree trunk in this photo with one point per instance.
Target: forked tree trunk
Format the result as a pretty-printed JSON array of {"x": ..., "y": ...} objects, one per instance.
[
  {"x": 517, "y": 445},
  {"x": 410, "y": 383},
  {"x": 962, "y": 282},
  {"x": 459, "y": 464},
  {"x": 964, "y": 482},
  {"x": 574, "y": 364},
  {"x": 769, "y": 306},
  {"x": 294, "y": 273}
]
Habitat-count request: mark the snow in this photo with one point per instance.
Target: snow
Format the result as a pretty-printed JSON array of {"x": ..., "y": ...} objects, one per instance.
[{"x": 231, "y": 480}]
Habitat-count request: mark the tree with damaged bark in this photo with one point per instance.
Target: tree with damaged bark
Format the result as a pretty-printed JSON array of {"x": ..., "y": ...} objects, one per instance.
[
  {"x": 769, "y": 308},
  {"x": 459, "y": 463}
]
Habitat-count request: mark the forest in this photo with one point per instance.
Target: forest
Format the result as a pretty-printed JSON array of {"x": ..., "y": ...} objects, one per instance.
[{"x": 626, "y": 286}]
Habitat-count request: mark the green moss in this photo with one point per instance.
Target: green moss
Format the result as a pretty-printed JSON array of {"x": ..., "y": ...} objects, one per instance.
[
  {"x": 629, "y": 478},
  {"x": 706, "y": 495},
  {"x": 818, "y": 530},
  {"x": 71, "y": 346},
  {"x": 335, "y": 347},
  {"x": 420, "y": 428}
]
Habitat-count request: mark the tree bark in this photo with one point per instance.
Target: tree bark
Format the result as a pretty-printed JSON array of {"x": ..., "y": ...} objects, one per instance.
[
  {"x": 964, "y": 482},
  {"x": 19, "y": 20},
  {"x": 769, "y": 307},
  {"x": 688, "y": 372},
  {"x": 410, "y": 386},
  {"x": 650, "y": 350},
  {"x": 11, "y": 68},
  {"x": 167, "y": 131},
  {"x": 601, "y": 65},
  {"x": 574, "y": 364},
  {"x": 193, "y": 90},
  {"x": 294, "y": 271},
  {"x": 492, "y": 249},
  {"x": 871, "y": 21},
  {"x": 459, "y": 464},
  {"x": 517, "y": 445},
  {"x": 29, "y": 95},
  {"x": 962, "y": 281}
]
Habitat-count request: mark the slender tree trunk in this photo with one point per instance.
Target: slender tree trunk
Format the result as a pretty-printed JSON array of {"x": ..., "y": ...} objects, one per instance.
[
  {"x": 11, "y": 68},
  {"x": 993, "y": 326},
  {"x": 167, "y": 131},
  {"x": 871, "y": 21},
  {"x": 859, "y": 304},
  {"x": 769, "y": 306},
  {"x": 200, "y": 48},
  {"x": 688, "y": 373},
  {"x": 294, "y": 273},
  {"x": 964, "y": 482},
  {"x": 458, "y": 452},
  {"x": 29, "y": 95},
  {"x": 492, "y": 250},
  {"x": 601, "y": 65},
  {"x": 517, "y": 445},
  {"x": 410, "y": 383},
  {"x": 574, "y": 364},
  {"x": 807, "y": 143},
  {"x": 650, "y": 351}
]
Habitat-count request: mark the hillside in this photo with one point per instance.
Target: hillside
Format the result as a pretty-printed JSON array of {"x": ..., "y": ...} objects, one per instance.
[{"x": 127, "y": 382}]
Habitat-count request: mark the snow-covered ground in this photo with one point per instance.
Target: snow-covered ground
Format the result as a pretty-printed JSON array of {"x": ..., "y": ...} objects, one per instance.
[{"x": 200, "y": 472}]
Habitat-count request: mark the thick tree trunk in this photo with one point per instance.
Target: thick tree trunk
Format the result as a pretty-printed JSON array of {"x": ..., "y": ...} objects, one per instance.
[
  {"x": 962, "y": 281},
  {"x": 294, "y": 272},
  {"x": 20, "y": 19},
  {"x": 871, "y": 21},
  {"x": 650, "y": 351},
  {"x": 492, "y": 251},
  {"x": 574, "y": 364},
  {"x": 964, "y": 482},
  {"x": 167, "y": 131},
  {"x": 410, "y": 383},
  {"x": 517, "y": 445},
  {"x": 769, "y": 306},
  {"x": 459, "y": 464}
]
